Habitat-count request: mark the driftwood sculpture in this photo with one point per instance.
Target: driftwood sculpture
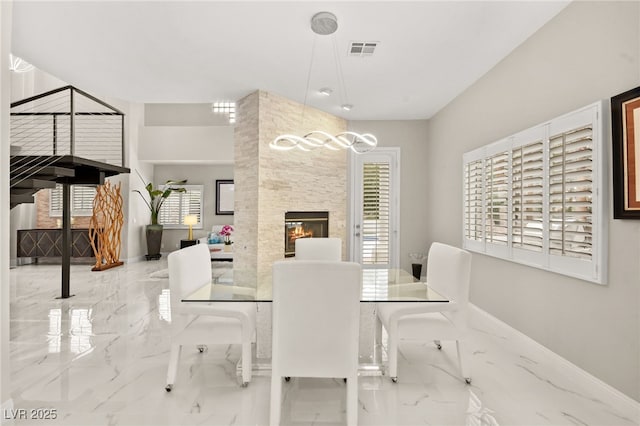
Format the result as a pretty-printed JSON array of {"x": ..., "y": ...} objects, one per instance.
[{"x": 105, "y": 226}]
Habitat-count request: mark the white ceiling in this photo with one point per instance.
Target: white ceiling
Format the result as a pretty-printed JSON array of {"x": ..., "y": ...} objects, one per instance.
[{"x": 203, "y": 51}]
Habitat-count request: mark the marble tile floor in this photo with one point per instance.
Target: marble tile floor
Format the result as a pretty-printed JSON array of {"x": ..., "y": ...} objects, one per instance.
[{"x": 100, "y": 358}]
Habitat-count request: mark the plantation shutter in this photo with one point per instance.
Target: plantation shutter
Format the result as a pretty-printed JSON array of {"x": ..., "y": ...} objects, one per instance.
[
  {"x": 81, "y": 200},
  {"x": 376, "y": 224},
  {"x": 496, "y": 198},
  {"x": 473, "y": 201},
  {"x": 180, "y": 204},
  {"x": 527, "y": 170},
  {"x": 543, "y": 196},
  {"x": 571, "y": 193}
]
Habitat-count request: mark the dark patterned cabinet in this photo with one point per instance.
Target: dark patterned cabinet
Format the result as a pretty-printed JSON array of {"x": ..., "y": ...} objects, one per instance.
[{"x": 48, "y": 243}]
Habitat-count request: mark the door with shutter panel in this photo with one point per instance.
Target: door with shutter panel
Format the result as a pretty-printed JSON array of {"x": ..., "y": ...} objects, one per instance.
[{"x": 375, "y": 209}]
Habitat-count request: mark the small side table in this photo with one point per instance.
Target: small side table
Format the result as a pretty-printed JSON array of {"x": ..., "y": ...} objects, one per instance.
[{"x": 187, "y": 243}]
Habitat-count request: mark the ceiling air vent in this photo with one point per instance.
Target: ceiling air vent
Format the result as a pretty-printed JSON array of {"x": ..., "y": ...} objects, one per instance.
[{"x": 362, "y": 48}]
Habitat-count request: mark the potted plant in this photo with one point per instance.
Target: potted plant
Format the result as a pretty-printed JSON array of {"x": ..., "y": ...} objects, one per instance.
[
  {"x": 157, "y": 197},
  {"x": 226, "y": 232}
]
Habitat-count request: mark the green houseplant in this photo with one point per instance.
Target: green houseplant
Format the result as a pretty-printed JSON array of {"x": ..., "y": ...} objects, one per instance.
[{"x": 156, "y": 198}]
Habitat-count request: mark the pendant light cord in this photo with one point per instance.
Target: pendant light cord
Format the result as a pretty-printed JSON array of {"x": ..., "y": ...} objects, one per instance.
[
  {"x": 306, "y": 93},
  {"x": 341, "y": 84}
]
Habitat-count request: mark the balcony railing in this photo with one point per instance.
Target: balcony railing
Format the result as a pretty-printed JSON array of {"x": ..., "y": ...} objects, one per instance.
[{"x": 65, "y": 121}]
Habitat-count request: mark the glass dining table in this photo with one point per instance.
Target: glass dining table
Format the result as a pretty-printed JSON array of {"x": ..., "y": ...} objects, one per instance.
[{"x": 378, "y": 286}]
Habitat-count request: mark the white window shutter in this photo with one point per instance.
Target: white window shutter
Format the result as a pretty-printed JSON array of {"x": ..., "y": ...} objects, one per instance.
[{"x": 543, "y": 196}]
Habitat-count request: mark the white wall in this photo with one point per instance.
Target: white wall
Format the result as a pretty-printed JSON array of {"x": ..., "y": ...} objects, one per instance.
[
  {"x": 195, "y": 144},
  {"x": 171, "y": 114},
  {"x": 195, "y": 175},
  {"x": 590, "y": 51},
  {"x": 136, "y": 214},
  {"x": 5, "y": 89},
  {"x": 24, "y": 85},
  {"x": 34, "y": 82},
  {"x": 411, "y": 137}
]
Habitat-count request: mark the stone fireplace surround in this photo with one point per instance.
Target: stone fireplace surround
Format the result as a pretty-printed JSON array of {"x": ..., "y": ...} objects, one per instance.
[{"x": 269, "y": 183}]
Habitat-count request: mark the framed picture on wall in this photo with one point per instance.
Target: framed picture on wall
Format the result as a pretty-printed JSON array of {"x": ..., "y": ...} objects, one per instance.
[
  {"x": 625, "y": 128},
  {"x": 224, "y": 196}
]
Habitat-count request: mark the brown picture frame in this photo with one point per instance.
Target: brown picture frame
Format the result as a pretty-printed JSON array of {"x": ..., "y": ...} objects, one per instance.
[{"x": 625, "y": 132}]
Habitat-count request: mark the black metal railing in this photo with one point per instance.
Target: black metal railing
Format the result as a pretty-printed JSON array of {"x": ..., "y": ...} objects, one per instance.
[{"x": 64, "y": 121}]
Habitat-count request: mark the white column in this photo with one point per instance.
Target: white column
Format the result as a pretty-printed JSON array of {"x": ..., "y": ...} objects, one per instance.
[{"x": 5, "y": 101}]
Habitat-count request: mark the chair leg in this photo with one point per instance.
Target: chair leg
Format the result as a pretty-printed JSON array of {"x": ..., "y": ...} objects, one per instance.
[
  {"x": 352, "y": 400},
  {"x": 276, "y": 396},
  {"x": 393, "y": 357},
  {"x": 378, "y": 332},
  {"x": 464, "y": 369},
  {"x": 174, "y": 358},
  {"x": 246, "y": 362}
]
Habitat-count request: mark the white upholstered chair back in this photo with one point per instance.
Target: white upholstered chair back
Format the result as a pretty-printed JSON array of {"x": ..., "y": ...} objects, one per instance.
[
  {"x": 316, "y": 317},
  {"x": 189, "y": 269},
  {"x": 448, "y": 273},
  {"x": 195, "y": 323},
  {"x": 319, "y": 249}
]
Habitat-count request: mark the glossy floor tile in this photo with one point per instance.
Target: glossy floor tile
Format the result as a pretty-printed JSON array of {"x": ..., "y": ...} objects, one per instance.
[{"x": 100, "y": 358}]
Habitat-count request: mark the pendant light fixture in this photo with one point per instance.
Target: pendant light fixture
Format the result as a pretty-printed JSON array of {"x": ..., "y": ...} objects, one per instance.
[{"x": 326, "y": 23}]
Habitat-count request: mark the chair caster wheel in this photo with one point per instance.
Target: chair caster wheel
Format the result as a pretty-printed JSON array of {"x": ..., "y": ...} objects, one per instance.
[
  {"x": 168, "y": 388},
  {"x": 394, "y": 379},
  {"x": 467, "y": 380},
  {"x": 345, "y": 380},
  {"x": 202, "y": 348},
  {"x": 245, "y": 384},
  {"x": 439, "y": 346},
  {"x": 286, "y": 379}
]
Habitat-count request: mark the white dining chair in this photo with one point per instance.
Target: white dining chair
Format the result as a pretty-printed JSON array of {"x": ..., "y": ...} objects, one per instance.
[
  {"x": 319, "y": 249},
  {"x": 316, "y": 316},
  {"x": 198, "y": 324},
  {"x": 448, "y": 273}
]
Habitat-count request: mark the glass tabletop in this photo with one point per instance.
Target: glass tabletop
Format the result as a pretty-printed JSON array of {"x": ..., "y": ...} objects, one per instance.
[{"x": 378, "y": 285}]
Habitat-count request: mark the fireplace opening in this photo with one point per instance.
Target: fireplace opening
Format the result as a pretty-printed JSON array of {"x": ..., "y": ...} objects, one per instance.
[{"x": 303, "y": 225}]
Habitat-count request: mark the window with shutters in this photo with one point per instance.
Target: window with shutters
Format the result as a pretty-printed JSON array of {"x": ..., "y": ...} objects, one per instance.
[
  {"x": 81, "y": 200},
  {"x": 473, "y": 200},
  {"x": 376, "y": 217},
  {"x": 180, "y": 204},
  {"x": 543, "y": 196}
]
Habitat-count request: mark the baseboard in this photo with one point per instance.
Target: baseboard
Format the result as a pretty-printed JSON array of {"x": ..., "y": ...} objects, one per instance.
[{"x": 559, "y": 360}]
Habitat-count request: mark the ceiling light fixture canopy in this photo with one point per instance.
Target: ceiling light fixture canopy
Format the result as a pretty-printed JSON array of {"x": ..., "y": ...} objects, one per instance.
[{"x": 326, "y": 23}]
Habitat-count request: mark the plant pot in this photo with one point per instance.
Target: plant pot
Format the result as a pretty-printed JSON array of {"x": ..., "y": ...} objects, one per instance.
[
  {"x": 227, "y": 247},
  {"x": 154, "y": 241},
  {"x": 416, "y": 268}
]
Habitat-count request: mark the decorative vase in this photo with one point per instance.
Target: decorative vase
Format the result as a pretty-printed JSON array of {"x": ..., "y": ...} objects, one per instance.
[
  {"x": 416, "y": 264},
  {"x": 154, "y": 241}
]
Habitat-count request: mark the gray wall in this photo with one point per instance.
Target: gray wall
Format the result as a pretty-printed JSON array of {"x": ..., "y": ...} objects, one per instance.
[
  {"x": 196, "y": 175},
  {"x": 411, "y": 137},
  {"x": 590, "y": 51}
]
